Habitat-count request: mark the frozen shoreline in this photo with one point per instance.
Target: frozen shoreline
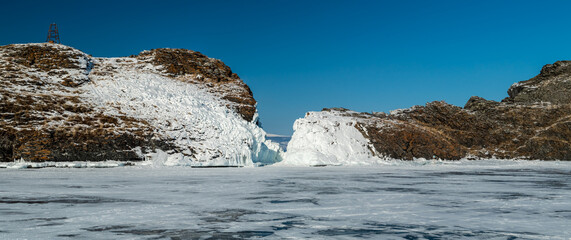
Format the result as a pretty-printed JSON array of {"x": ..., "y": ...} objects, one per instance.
[{"x": 393, "y": 162}]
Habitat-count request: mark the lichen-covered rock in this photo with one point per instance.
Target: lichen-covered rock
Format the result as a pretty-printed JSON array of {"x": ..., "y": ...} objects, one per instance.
[{"x": 551, "y": 85}]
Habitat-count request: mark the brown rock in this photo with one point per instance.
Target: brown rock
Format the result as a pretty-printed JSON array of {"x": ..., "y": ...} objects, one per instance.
[
  {"x": 534, "y": 122},
  {"x": 551, "y": 85}
]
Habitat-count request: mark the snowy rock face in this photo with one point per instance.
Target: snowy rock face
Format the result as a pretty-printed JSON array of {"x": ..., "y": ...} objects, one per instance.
[
  {"x": 534, "y": 122},
  {"x": 168, "y": 106},
  {"x": 328, "y": 138}
]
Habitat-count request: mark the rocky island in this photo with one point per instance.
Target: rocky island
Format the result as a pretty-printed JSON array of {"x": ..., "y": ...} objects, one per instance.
[
  {"x": 172, "y": 106},
  {"x": 533, "y": 122}
]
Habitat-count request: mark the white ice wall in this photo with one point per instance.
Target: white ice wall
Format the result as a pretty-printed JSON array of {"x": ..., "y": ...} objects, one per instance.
[
  {"x": 188, "y": 115},
  {"x": 325, "y": 138}
]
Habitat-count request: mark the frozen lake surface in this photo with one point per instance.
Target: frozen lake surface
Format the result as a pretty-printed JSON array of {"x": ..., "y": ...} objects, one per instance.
[{"x": 402, "y": 200}]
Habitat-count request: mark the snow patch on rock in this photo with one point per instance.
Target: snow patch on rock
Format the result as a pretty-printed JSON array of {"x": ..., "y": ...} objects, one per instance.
[{"x": 194, "y": 120}]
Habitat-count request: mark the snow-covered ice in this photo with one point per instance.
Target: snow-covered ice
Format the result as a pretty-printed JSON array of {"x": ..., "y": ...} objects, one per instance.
[{"x": 489, "y": 199}]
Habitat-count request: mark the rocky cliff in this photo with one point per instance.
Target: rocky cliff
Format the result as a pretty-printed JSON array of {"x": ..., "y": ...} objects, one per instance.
[
  {"x": 171, "y": 105},
  {"x": 534, "y": 122}
]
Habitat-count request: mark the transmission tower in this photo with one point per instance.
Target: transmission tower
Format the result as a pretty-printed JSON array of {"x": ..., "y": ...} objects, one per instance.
[{"x": 53, "y": 34}]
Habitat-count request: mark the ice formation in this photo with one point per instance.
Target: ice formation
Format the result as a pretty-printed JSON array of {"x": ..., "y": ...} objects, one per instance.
[
  {"x": 324, "y": 138},
  {"x": 194, "y": 118}
]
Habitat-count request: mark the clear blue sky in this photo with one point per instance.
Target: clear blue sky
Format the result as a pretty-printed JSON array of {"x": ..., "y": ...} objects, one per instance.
[{"x": 300, "y": 56}]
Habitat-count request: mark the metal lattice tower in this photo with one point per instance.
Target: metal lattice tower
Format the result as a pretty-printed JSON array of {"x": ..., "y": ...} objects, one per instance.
[{"x": 53, "y": 34}]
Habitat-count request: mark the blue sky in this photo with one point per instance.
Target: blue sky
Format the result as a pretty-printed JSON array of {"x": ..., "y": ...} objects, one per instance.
[{"x": 300, "y": 56}]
